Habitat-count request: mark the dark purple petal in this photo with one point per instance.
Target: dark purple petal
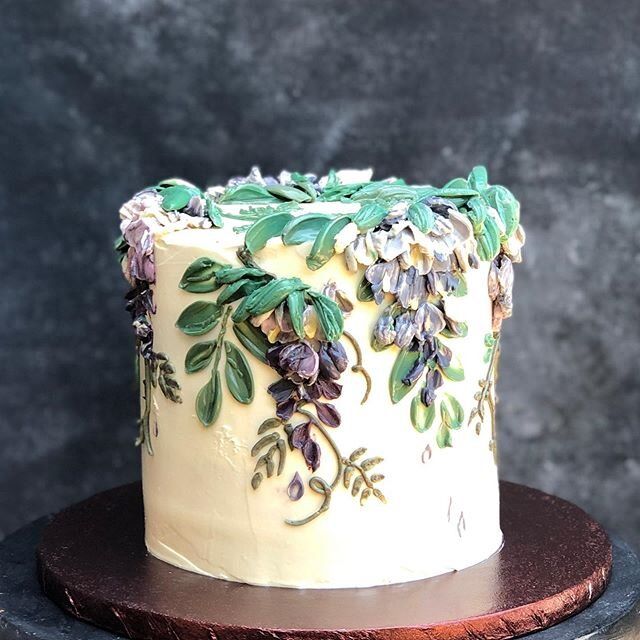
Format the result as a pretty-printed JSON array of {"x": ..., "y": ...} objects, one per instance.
[
  {"x": 443, "y": 354},
  {"x": 327, "y": 367},
  {"x": 433, "y": 381},
  {"x": 295, "y": 490},
  {"x": 415, "y": 372},
  {"x": 273, "y": 357},
  {"x": 282, "y": 390},
  {"x": 338, "y": 355},
  {"x": 300, "y": 435},
  {"x": 328, "y": 388},
  {"x": 284, "y": 410},
  {"x": 311, "y": 454},
  {"x": 328, "y": 414},
  {"x": 299, "y": 359}
]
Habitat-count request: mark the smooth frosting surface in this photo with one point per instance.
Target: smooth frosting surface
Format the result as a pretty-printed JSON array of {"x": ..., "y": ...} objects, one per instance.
[
  {"x": 202, "y": 514},
  {"x": 318, "y": 361}
]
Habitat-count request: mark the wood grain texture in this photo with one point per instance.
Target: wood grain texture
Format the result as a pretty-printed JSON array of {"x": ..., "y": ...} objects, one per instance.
[{"x": 555, "y": 561}]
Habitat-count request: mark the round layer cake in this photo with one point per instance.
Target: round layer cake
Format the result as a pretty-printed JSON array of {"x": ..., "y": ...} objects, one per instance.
[{"x": 317, "y": 368}]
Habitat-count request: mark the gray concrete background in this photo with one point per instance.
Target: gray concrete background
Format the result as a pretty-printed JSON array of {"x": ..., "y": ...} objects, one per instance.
[{"x": 101, "y": 97}]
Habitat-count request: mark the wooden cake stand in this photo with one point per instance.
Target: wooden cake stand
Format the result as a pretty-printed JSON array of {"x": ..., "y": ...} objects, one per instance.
[{"x": 555, "y": 561}]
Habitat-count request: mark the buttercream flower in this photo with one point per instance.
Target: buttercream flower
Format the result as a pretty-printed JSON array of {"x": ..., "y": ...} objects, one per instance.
[
  {"x": 501, "y": 289},
  {"x": 384, "y": 333},
  {"x": 332, "y": 292},
  {"x": 298, "y": 362},
  {"x": 140, "y": 261}
]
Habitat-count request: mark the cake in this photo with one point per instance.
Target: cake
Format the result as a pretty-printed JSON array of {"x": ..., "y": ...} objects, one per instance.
[{"x": 317, "y": 365}]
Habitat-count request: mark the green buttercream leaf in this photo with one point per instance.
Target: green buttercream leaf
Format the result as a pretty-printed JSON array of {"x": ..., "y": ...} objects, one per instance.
[
  {"x": 401, "y": 367},
  {"x": 249, "y": 193},
  {"x": 237, "y": 373},
  {"x": 199, "y": 318},
  {"x": 267, "y": 298},
  {"x": 209, "y": 401},
  {"x": 177, "y": 197},
  {"x": 213, "y": 212},
  {"x": 370, "y": 215},
  {"x": 451, "y": 412},
  {"x": 508, "y": 208},
  {"x": 443, "y": 437},
  {"x": 364, "y": 293},
  {"x": 302, "y": 182},
  {"x": 239, "y": 289},
  {"x": 323, "y": 246},
  {"x": 389, "y": 191},
  {"x": 295, "y": 302},
  {"x": 261, "y": 231},
  {"x": 454, "y": 371},
  {"x": 422, "y": 417},
  {"x": 230, "y": 275},
  {"x": 488, "y": 240},
  {"x": 421, "y": 216},
  {"x": 289, "y": 193},
  {"x": 462, "y": 288},
  {"x": 304, "y": 228},
  {"x": 329, "y": 315},
  {"x": 199, "y": 356},
  {"x": 200, "y": 276},
  {"x": 252, "y": 339},
  {"x": 476, "y": 211},
  {"x": 478, "y": 178},
  {"x": 456, "y": 184}
]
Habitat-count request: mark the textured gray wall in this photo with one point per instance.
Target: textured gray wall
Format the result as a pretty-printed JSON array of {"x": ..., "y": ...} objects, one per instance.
[{"x": 101, "y": 97}]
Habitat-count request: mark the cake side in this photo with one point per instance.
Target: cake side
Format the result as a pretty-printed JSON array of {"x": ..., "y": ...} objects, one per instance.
[{"x": 278, "y": 490}]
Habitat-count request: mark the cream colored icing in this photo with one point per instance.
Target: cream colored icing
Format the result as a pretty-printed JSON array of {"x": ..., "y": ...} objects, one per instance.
[{"x": 201, "y": 513}]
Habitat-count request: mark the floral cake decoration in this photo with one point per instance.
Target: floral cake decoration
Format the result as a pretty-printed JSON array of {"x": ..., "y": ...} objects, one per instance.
[{"x": 410, "y": 247}]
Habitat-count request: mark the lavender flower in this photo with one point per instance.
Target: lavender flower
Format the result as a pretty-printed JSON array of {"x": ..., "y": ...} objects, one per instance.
[
  {"x": 433, "y": 381},
  {"x": 384, "y": 333}
]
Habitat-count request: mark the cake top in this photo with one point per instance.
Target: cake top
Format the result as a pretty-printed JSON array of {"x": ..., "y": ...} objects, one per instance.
[{"x": 342, "y": 212}]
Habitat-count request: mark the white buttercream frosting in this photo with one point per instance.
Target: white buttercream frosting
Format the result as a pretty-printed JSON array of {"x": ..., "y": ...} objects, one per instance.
[{"x": 201, "y": 513}]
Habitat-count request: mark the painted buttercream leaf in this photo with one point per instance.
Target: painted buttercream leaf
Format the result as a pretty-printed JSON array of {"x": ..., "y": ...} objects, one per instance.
[
  {"x": 443, "y": 437},
  {"x": 267, "y": 298},
  {"x": 177, "y": 197},
  {"x": 288, "y": 192},
  {"x": 213, "y": 212},
  {"x": 329, "y": 316},
  {"x": 304, "y": 228},
  {"x": 323, "y": 246},
  {"x": 404, "y": 363},
  {"x": 249, "y": 193},
  {"x": 508, "y": 208},
  {"x": 451, "y": 412},
  {"x": 364, "y": 292},
  {"x": 200, "y": 276},
  {"x": 296, "y": 305},
  {"x": 370, "y": 215},
  {"x": 237, "y": 373},
  {"x": 454, "y": 371},
  {"x": 267, "y": 227},
  {"x": 462, "y": 288},
  {"x": 233, "y": 274},
  {"x": 489, "y": 240},
  {"x": 478, "y": 178},
  {"x": 209, "y": 401},
  {"x": 389, "y": 191},
  {"x": 199, "y": 318},
  {"x": 477, "y": 214},
  {"x": 239, "y": 289},
  {"x": 456, "y": 183},
  {"x": 421, "y": 216},
  {"x": 199, "y": 356},
  {"x": 422, "y": 417},
  {"x": 252, "y": 339},
  {"x": 303, "y": 182}
]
